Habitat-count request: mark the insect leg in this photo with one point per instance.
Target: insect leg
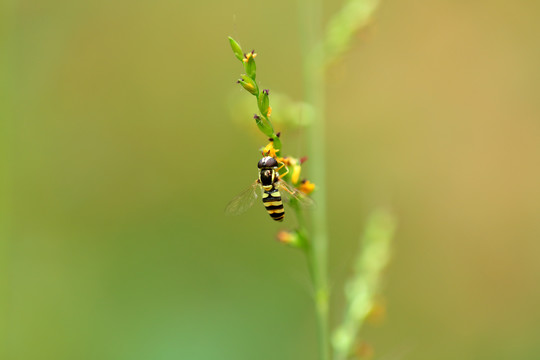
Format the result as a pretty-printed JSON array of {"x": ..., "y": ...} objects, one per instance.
[
  {"x": 287, "y": 190},
  {"x": 281, "y": 167}
]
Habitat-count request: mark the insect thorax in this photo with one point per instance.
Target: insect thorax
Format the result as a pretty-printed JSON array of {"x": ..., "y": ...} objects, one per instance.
[{"x": 267, "y": 178}]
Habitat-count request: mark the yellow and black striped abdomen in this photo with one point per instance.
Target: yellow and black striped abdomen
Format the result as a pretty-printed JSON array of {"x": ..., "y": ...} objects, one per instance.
[{"x": 273, "y": 204}]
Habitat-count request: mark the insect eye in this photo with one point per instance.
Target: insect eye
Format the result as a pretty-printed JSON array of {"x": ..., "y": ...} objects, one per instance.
[
  {"x": 266, "y": 162},
  {"x": 271, "y": 162}
]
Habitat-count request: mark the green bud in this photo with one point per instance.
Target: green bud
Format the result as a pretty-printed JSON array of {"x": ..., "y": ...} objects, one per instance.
[
  {"x": 264, "y": 102},
  {"x": 264, "y": 125},
  {"x": 249, "y": 84},
  {"x": 277, "y": 141},
  {"x": 249, "y": 65},
  {"x": 291, "y": 238},
  {"x": 236, "y": 49}
]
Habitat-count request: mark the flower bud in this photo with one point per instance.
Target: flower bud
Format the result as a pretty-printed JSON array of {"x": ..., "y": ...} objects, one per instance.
[
  {"x": 296, "y": 169},
  {"x": 236, "y": 49},
  {"x": 264, "y": 102},
  {"x": 249, "y": 64},
  {"x": 263, "y": 125},
  {"x": 291, "y": 238},
  {"x": 287, "y": 160},
  {"x": 306, "y": 187},
  {"x": 269, "y": 149},
  {"x": 249, "y": 84},
  {"x": 277, "y": 142}
]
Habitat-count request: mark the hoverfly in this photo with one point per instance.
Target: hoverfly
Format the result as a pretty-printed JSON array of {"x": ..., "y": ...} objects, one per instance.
[{"x": 270, "y": 181}]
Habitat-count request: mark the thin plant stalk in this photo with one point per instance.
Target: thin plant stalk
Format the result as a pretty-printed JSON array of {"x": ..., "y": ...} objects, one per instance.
[
  {"x": 319, "y": 49},
  {"x": 314, "y": 87}
]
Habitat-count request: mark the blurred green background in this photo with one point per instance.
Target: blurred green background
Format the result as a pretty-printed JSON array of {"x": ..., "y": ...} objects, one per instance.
[{"x": 119, "y": 155}]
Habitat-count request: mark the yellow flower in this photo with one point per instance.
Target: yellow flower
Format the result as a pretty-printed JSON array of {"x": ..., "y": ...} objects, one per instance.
[
  {"x": 269, "y": 111},
  {"x": 294, "y": 164},
  {"x": 306, "y": 187},
  {"x": 249, "y": 55},
  {"x": 286, "y": 237},
  {"x": 285, "y": 160},
  {"x": 291, "y": 238},
  {"x": 269, "y": 150},
  {"x": 296, "y": 169}
]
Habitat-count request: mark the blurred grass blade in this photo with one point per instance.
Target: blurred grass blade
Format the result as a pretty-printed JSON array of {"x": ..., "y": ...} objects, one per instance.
[
  {"x": 353, "y": 16},
  {"x": 364, "y": 284}
]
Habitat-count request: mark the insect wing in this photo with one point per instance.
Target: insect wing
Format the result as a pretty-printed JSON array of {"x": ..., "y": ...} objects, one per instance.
[
  {"x": 289, "y": 193},
  {"x": 244, "y": 200}
]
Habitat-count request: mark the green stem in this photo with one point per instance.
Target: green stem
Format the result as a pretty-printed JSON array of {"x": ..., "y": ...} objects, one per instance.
[
  {"x": 314, "y": 87},
  {"x": 304, "y": 237}
]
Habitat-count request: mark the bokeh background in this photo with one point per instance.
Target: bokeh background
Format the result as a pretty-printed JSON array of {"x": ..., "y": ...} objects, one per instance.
[{"x": 119, "y": 155}]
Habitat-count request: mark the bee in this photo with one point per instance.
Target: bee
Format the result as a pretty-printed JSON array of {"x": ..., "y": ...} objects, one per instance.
[{"x": 270, "y": 182}]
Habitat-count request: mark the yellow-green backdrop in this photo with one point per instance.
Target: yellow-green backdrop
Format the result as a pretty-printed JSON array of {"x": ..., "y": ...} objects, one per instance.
[{"x": 119, "y": 154}]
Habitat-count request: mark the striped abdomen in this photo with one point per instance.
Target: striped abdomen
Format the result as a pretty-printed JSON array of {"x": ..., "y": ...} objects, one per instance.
[{"x": 273, "y": 204}]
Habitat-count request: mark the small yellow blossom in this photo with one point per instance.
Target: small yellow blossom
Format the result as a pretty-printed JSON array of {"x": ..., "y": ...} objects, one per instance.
[
  {"x": 285, "y": 160},
  {"x": 294, "y": 164},
  {"x": 269, "y": 150},
  {"x": 269, "y": 111},
  {"x": 291, "y": 238},
  {"x": 249, "y": 55},
  {"x": 306, "y": 187},
  {"x": 286, "y": 237},
  {"x": 296, "y": 169}
]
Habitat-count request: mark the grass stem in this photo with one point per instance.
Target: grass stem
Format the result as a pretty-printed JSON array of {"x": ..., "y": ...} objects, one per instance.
[{"x": 314, "y": 88}]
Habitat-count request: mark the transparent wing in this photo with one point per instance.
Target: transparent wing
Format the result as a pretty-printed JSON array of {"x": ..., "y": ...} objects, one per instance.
[
  {"x": 244, "y": 200},
  {"x": 289, "y": 193}
]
